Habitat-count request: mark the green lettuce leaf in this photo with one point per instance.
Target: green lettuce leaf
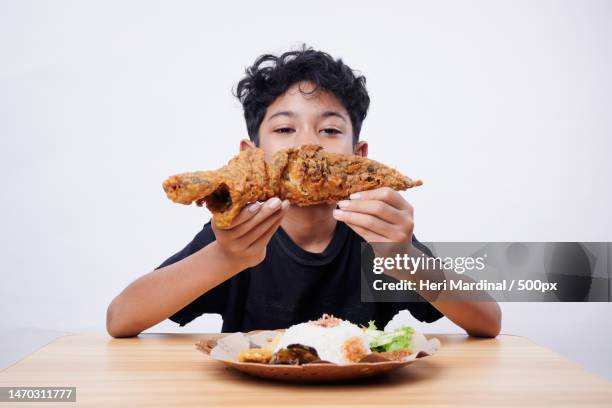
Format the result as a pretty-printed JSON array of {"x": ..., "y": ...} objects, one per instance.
[{"x": 398, "y": 339}]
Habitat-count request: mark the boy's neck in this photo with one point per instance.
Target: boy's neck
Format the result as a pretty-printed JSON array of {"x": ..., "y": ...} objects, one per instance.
[{"x": 312, "y": 228}]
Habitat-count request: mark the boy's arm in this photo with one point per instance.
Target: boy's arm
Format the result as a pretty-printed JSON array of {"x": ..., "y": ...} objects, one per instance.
[
  {"x": 479, "y": 319},
  {"x": 159, "y": 294},
  {"x": 382, "y": 215}
]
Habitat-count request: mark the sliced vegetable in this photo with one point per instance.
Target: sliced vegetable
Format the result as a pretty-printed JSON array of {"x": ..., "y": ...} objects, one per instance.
[{"x": 398, "y": 339}]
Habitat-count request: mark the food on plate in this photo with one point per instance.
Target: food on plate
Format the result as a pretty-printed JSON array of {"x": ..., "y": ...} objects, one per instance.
[
  {"x": 296, "y": 354},
  {"x": 259, "y": 354},
  {"x": 403, "y": 339},
  {"x": 336, "y": 341},
  {"x": 326, "y": 349},
  {"x": 307, "y": 175},
  {"x": 255, "y": 355}
]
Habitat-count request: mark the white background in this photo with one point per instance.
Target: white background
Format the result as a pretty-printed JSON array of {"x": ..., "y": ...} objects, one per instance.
[{"x": 503, "y": 108}]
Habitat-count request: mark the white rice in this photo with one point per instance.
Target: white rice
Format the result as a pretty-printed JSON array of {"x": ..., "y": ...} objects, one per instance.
[{"x": 328, "y": 341}]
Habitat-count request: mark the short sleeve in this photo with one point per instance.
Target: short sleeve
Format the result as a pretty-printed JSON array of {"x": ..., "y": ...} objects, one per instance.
[
  {"x": 420, "y": 309},
  {"x": 212, "y": 301}
]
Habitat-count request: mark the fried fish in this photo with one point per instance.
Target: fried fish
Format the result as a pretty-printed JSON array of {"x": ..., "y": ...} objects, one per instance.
[{"x": 305, "y": 176}]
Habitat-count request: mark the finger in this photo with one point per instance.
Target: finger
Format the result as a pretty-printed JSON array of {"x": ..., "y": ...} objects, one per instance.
[
  {"x": 366, "y": 221},
  {"x": 369, "y": 236},
  {"x": 246, "y": 214},
  {"x": 254, "y": 235},
  {"x": 261, "y": 228},
  {"x": 265, "y": 210},
  {"x": 266, "y": 236},
  {"x": 375, "y": 208},
  {"x": 385, "y": 194}
]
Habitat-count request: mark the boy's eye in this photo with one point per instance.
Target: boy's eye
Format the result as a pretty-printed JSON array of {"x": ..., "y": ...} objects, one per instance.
[
  {"x": 284, "y": 130},
  {"x": 331, "y": 131}
]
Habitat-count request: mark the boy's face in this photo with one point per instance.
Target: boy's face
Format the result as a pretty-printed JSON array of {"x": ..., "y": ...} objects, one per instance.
[{"x": 300, "y": 117}]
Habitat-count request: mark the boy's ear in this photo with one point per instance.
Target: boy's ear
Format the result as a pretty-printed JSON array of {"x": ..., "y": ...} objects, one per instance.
[
  {"x": 361, "y": 149},
  {"x": 246, "y": 144}
]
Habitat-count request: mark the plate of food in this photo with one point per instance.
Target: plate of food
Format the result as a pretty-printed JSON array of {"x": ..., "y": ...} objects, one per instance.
[{"x": 327, "y": 349}]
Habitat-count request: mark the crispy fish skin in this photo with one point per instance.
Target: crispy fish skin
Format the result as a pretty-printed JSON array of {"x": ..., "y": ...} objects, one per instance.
[
  {"x": 305, "y": 176},
  {"x": 313, "y": 176},
  {"x": 226, "y": 190}
]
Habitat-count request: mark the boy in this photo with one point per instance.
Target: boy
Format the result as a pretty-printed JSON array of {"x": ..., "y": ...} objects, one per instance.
[{"x": 279, "y": 265}]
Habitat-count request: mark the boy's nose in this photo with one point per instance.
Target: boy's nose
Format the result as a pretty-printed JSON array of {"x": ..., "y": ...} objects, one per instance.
[{"x": 307, "y": 137}]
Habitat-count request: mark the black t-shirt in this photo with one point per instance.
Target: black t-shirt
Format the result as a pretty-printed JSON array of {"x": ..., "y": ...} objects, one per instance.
[{"x": 292, "y": 286}]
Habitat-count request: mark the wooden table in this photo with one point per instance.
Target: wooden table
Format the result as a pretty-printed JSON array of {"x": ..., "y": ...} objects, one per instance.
[{"x": 164, "y": 370}]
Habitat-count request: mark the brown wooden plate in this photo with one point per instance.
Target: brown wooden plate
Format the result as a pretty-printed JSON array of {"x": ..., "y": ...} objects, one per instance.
[{"x": 307, "y": 372}]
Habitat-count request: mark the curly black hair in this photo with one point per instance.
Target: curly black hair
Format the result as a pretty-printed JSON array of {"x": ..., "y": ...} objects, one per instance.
[{"x": 270, "y": 76}]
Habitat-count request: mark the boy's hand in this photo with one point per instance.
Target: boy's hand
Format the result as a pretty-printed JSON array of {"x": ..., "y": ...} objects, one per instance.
[
  {"x": 380, "y": 215},
  {"x": 245, "y": 241}
]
